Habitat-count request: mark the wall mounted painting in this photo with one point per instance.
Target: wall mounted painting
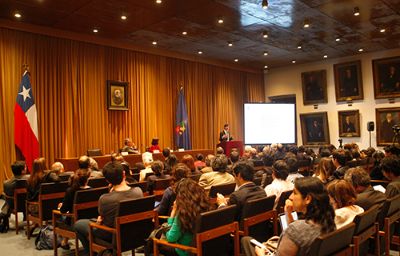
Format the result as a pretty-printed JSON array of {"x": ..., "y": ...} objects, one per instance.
[
  {"x": 117, "y": 95},
  {"x": 314, "y": 87},
  {"x": 349, "y": 123},
  {"x": 348, "y": 81},
  {"x": 386, "y": 78},
  {"x": 315, "y": 128}
]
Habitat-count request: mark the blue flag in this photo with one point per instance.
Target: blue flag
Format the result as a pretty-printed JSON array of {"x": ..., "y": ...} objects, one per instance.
[{"x": 182, "y": 131}]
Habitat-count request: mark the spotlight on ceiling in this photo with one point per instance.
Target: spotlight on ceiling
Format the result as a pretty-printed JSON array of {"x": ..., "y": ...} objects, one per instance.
[
  {"x": 264, "y": 4},
  {"x": 356, "y": 11},
  {"x": 299, "y": 46},
  {"x": 265, "y": 34},
  {"x": 154, "y": 42},
  {"x": 236, "y": 60},
  {"x": 337, "y": 39},
  {"x": 17, "y": 15},
  {"x": 220, "y": 20},
  {"x": 230, "y": 44},
  {"x": 199, "y": 52},
  {"x": 382, "y": 30},
  {"x": 158, "y": 1},
  {"x": 293, "y": 61},
  {"x": 95, "y": 30},
  {"x": 325, "y": 56},
  {"x": 266, "y": 66},
  {"x": 265, "y": 53},
  {"x": 361, "y": 50}
]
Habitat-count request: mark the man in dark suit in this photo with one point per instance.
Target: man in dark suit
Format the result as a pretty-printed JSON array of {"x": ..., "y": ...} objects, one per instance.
[
  {"x": 19, "y": 170},
  {"x": 225, "y": 135},
  {"x": 348, "y": 126},
  {"x": 339, "y": 159},
  {"x": 246, "y": 191},
  {"x": 366, "y": 195}
]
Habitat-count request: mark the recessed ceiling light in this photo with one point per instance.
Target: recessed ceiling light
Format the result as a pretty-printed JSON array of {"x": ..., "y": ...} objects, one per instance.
[
  {"x": 306, "y": 23},
  {"x": 230, "y": 44},
  {"x": 154, "y": 42},
  {"x": 220, "y": 20},
  {"x": 184, "y": 33},
  {"x": 325, "y": 56},
  {"x": 337, "y": 39},
  {"x": 200, "y": 52},
  {"x": 264, "y": 4},
  {"x": 382, "y": 30},
  {"x": 293, "y": 61},
  {"x": 123, "y": 17},
  {"x": 236, "y": 60},
  {"x": 356, "y": 11},
  {"x": 95, "y": 30},
  {"x": 158, "y": 1},
  {"x": 265, "y": 66},
  {"x": 361, "y": 50},
  {"x": 299, "y": 46},
  {"x": 265, "y": 34},
  {"x": 265, "y": 53},
  {"x": 17, "y": 15}
]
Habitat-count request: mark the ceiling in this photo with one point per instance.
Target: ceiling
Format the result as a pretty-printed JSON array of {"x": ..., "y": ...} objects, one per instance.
[{"x": 243, "y": 26}]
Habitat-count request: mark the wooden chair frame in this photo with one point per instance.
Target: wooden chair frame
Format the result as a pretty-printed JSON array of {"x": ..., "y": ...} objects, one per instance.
[
  {"x": 395, "y": 217},
  {"x": 116, "y": 231},
  {"x": 231, "y": 228},
  {"x": 39, "y": 219},
  {"x": 17, "y": 191},
  {"x": 254, "y": 220},
  {"x": 371, "y": 231}
]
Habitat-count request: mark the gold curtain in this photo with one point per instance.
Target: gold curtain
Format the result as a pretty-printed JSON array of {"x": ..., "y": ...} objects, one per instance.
[{"x": 69, "y": 85}]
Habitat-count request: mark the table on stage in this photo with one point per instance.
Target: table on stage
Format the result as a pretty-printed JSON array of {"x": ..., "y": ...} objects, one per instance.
[{"x": 71, "y": 164}]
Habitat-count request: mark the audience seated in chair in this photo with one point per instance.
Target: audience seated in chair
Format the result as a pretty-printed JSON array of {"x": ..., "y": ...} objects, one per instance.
[
  {"x": 343, "y": 198},
  {"x": 246, "y": 191},
  {"x": 208, "y": 168},
  {"x": 85, "y": 162},
  {"x": 311, "y": 199},
  {"x": 147, "y": 159},
  {"x": 189, "y": 161},
  {"x": 219, "y": 176},
  {"x": 158, "y": 169},
  {"x": 108, "y": 204},
  {"x": 339, "y": 160},
  {"x": 325, "y": 170},
  {"x": 279, "y": 183},
  {"x": 179, "y": 172},
  {"x": 19, "y": 171},
  {"x": 129, "y": 147},
  {"x": 293, "y": 169},
  {"x": 367, "y": 196},
  {"x": 391, "y": 170}
]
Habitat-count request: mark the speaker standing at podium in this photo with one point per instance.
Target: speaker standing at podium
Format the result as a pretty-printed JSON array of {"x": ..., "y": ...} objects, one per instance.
[{"x": 225, "y": 135}]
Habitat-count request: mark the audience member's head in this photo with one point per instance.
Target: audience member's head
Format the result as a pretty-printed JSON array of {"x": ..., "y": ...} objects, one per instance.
[
  {"x": 18, "y": 168},
  {"x": 180, "y": 171},
  {"x": 209, "y": 159},
  {"x": 128, "y": 142},
  {"x": 93, "y": 164},
  {"x": 325, "y": 169},
  {"x": 172, "y": 160},
  {"x": 114, "y": 173},
  {"x": 147, "y": 158},
  {"x": 311, "y": 198},
  {"x": 39, "y": 165},
  {"x": 80, "y": 178},
  {"x": 200, "y": 157},
  {"x": 359, "y": 178},
  {"x": 293, "y": 149},
  {"x": 342, "y": 193},
  {"x": 189, "y": 161},
  {"x": 391, "y": 167},
  {"x": 292, "y": 164},
  {"x": 234, "y": 156},
  {"x": 220, "y": 163},
  {"x": 280, "y": 170},
  {"x": 339, "y": 157},
  {"x": 244, "y": 172},
  {"x": 219, "y": 151},
  {"x": 166, "y": 152},
  {"x": 268, "y": 160},
  {"x": 325, "y": 153},
  {"x": 116, "y": 157},
  {"x": 83, "y": 162},
  {"x": 392, "y": 150},
  {"x": 57, "y": 167},
  {"x": 378, "y": 156},
  {"x": 157, "y": 167}
]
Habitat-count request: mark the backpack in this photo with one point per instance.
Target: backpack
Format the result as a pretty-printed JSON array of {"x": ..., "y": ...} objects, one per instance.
[
  {"x": 4, "y": 216},
  {"x": 44, "y": 241}
]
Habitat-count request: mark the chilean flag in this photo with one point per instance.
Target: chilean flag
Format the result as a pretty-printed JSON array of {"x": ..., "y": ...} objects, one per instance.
[{"x": 25, "y": 122}]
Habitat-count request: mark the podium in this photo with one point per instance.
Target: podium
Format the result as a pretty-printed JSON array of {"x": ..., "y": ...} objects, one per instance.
[{"x": 229, "y": 145}]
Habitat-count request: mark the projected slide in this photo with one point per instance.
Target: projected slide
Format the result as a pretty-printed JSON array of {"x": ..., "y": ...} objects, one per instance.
[{"x": 266, "y": 123}]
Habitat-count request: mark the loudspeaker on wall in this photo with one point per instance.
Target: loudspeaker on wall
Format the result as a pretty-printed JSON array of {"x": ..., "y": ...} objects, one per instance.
[{"x": 370, "y": 126}]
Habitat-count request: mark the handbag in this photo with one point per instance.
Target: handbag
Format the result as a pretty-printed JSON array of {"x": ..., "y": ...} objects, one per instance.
[{"x": 158, "y": 233}]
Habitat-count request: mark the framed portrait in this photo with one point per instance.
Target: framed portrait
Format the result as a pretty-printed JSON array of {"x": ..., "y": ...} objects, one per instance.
[
  {"x": 314, "y": 128},
  {"x": 349, "y": 123},
  {"x": 386, "y": 119},
  {"x": 348, "y": 81},
  {"x": 386, "y": 78},
  {"x": 314, "y": 87},
  {"x": 117, "y": 95}
]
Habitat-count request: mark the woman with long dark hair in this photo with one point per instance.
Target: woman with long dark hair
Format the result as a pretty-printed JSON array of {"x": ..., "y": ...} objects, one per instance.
[
  {"x": 310, "y": 198},
  {"x": 191, "y": 200}
]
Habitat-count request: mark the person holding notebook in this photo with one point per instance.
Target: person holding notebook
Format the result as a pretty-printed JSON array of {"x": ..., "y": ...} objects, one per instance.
[{"x": 311, "y": 199}]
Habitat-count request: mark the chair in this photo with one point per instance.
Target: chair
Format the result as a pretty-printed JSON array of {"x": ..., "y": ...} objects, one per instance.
[
  {"x": 85, "y": 207},
  {"x": 50, "y": 195},
  {"x": 133, "y": 225},
  {"x": 213, "y": 230},
  {"x": 366, "y": 227},
  {"x": 282, "y": 200},
  {"x": 255, "y": 216},
  {"x": 17, "y": 201},
  {"x": 97, "y": 182},
  {"x": 159, "y": 186},
  {"x": 143, "y": 185},
  {"x": 64, "y": 177},
  {"x": 224, "y": 189},
  {"x": 334, "y": 243},
  {"x": 94, "y": 152},
  {"x": 391, "y": 214}
]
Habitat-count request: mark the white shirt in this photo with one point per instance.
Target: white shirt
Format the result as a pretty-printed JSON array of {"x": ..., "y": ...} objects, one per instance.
[
  {"x": 277, "y": 187},
  {"x": 345, "y": 215},
  {"x": 293, "y": 176}
]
